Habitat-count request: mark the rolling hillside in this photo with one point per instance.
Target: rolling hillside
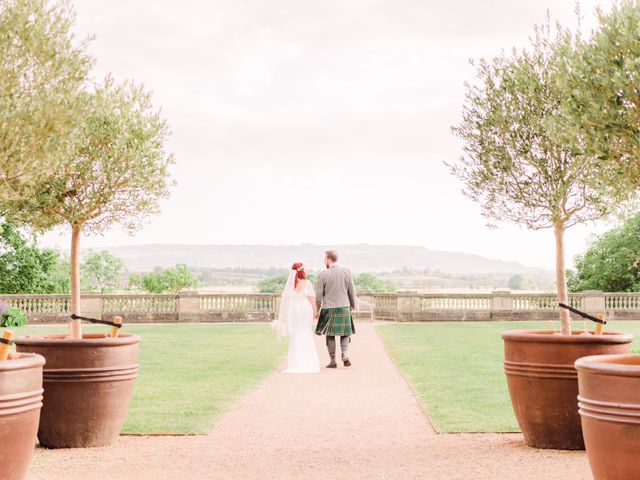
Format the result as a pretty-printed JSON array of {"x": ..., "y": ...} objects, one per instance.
[{"x": 360, "y": 258}]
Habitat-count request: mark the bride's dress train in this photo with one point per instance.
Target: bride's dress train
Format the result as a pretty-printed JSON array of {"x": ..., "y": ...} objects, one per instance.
[
  {"x": 302, "y": 357},
  {"x": 295, "y": 320}
]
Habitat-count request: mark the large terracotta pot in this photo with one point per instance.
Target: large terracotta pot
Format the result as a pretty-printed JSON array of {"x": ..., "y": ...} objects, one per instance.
[
  {"x": 609, "y": 404},
  {"x": 543, "y": 383},
  {"x": 87, "y": 387},
  {"x": 20, "y": 404}
]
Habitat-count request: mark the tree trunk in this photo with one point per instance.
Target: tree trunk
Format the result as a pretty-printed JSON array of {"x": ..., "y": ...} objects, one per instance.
[
  {"x": 561, "y": 279},
  {"x": 76, "y": 325}
]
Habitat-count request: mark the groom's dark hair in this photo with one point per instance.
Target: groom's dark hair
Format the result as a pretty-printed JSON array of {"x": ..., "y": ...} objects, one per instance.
[{"x": 332, "y": 255}]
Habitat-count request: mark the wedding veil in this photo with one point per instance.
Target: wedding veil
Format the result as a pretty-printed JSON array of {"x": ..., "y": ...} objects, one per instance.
[{"x": 282, "y": 326}]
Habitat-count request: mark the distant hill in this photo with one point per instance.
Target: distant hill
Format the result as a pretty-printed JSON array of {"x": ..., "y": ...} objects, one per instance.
[{"x": 360, "y": 258}]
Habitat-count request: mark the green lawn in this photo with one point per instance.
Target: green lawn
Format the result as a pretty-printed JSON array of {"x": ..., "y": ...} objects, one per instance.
[
  {"x": 456, "y": 370},
  {"x": 190, "y": 374}
]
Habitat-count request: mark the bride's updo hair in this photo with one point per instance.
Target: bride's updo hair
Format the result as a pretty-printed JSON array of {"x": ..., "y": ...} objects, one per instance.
[{"x": 301, "y": 275}]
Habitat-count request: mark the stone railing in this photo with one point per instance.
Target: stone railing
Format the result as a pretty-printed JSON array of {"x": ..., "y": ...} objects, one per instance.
[
  {"x": 237, "y": 303},
  {"x": 194, "y": 307},
  {"x": 499, "y": 305},
  {"x": 48, "y": 308},
  {"x": 622, "y": 301},
  {"x": 183, "y": 307},
  {"x": 151, "y": 304},
  {"x": 223, "y": 307},
  {"x": 458, "y": 302},
  {"x": 542, "y": 302}
]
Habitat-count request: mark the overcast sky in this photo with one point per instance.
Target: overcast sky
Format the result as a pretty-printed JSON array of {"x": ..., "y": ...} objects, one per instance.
[{"x": 300, "y": 121}]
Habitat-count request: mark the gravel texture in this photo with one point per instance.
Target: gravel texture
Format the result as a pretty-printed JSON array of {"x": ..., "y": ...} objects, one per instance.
[{"x": 361, "y": 422}]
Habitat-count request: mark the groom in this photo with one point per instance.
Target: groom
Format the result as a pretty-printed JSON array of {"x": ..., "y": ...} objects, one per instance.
[{"x": 336, "y": 298}]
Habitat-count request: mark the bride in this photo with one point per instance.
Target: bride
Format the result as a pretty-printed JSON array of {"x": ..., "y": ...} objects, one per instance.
[{"x": 297, "y": 311}]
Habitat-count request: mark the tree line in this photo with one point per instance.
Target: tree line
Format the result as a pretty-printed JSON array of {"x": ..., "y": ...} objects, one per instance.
[
  {"x": 27, "y": 269},
  {"x": 365, "y": 282}
]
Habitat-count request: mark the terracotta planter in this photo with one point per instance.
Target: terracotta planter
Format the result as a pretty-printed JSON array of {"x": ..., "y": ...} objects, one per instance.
[
  {"x": 609, "y": 404},
  {"x": 20, "y": 404},
  {"x": 88, "y": 384},
  {"x": 543, "y": 383}
]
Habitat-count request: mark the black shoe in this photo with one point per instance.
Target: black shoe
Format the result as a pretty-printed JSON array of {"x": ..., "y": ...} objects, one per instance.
[
  {"x": 332, "y": 364},
  {"x": 346, "y": 362}
]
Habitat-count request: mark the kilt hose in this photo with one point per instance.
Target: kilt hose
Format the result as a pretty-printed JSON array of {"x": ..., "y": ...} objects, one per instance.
[{"x": 335, "y": 322}]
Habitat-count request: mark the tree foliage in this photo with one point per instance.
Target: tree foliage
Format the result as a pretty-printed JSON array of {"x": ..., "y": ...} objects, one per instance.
[
  {"x": 515, "y": 164},
  {"x": 276, "y": 284},
  {"x": 59, "y": 275},
  {"x": 273, "y": 284},
  {"x": 24, "y": 268},
  {"x": 520, "y": 282},
  {"x": 118, "y": 171},
  {"x": 164, "y": 280},
  {"x": 612, "y": 261},
  {"x": 42, "y": 69},
  {"x": 367, "y": 282},
  {"x": 101, "y": 271},
  {"x": 602, "y": 111}
]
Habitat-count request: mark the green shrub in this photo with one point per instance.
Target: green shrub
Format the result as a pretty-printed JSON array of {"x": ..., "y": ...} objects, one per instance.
[{"x": 13, "y": 317}]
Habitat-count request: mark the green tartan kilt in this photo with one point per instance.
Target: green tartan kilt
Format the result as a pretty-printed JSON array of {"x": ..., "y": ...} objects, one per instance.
[{"x": 335, "y": 322}]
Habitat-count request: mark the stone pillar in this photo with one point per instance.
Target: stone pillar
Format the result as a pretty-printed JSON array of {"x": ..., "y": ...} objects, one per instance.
[
  {"x": 593, "y": 302},
  {"x": 501, "y": 305},
  {"x": 91, "y": 306},
  {"x": 408, "y": 306},
  {"x": 189, "y": 306}
]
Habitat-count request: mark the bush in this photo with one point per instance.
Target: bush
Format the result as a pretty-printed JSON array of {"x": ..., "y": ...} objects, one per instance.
[
  {"x": 24, "y": 268},
  {"x": 13, "y": 317},
  {"x": 172, "y": 279}
]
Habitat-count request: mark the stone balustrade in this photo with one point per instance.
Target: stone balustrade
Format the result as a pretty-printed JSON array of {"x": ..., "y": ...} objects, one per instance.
[
  {"x": 181, "y": 307},
  {"x": 402, "y": 306}
]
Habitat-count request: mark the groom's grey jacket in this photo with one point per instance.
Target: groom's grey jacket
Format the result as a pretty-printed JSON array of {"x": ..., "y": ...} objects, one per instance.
[{"x": 335, "y": 288}]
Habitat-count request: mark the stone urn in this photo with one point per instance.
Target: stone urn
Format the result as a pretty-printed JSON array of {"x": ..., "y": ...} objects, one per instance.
[
  {"x": 609, "y": 405},
  {"x": 543, "y": 383},
  {"x": 20, "y": 404},
  {"x": 88, "y": 384}
]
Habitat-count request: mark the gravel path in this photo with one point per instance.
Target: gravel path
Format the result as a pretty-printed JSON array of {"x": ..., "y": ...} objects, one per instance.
[{"x": 361, "y": 422}]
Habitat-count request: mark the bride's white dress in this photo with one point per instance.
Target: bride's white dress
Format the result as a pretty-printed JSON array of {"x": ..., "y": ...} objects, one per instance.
[{"x": 303, "y": 357}]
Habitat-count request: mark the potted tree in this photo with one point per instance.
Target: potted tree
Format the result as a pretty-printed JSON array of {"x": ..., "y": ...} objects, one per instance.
[
  {"x": 603, "y": 117},
  {"x": 117, "y": 174},
  {"x": 42, "y": 68},
  {"x": 518, "y": 168}
]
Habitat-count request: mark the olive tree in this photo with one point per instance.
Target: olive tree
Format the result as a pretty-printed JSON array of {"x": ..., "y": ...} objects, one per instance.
[
  {"x": 42, "y": 69},
  {"x": 602, "y": 111},
  {"x": 515, "y": 163},
  {"x": 117, "y": 174}
]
